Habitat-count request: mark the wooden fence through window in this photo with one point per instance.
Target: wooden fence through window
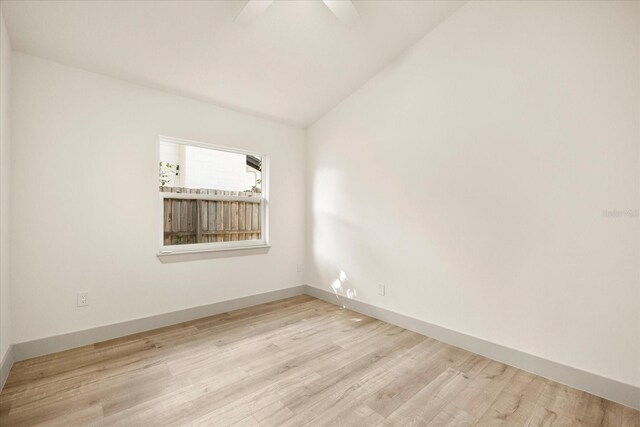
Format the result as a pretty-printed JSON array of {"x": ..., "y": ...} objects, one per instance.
[{"x": 203, "y": 221}]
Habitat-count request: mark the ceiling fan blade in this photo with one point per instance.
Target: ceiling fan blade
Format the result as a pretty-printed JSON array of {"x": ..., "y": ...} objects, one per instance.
[
  {"x": 344, "y": 10},
  {"x": 252, "y": 9}
]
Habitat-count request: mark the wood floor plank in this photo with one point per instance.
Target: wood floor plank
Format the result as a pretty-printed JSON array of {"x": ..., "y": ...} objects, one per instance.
[
  {"x": 630, "y": 417},
  {"x": 298, "y": 361},
  {"x": 419, "y": 366},
  {"x": 482, "y": 391},
  {"x": 346, "y": 376},
  {"x": 172, "y": 407},
  {"x": 516, "y": 401},
  {"x": 339, "y": 405},
  {"x": 358, "y": 416},
  {"x": 425, "y": 405},
  {"x": 452, "y": 416},
  {"x": 272, "y": 415},
  {"x": 245, "y": 422},
  {"x": 555, "y": 407}
]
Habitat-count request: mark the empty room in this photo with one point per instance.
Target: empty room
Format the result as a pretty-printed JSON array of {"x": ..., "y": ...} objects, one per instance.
[{"x": 319, "y": 213}]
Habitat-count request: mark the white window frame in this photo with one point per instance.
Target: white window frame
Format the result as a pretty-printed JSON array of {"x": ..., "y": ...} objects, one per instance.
[{"x": 166, "y": 250}]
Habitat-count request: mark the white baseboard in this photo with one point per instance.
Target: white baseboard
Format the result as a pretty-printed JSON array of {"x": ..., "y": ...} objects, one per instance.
[
  {"x": 5, "y": 366},
  {"x": 39, "y": 347},
  {"x": 607, "y": 388}
]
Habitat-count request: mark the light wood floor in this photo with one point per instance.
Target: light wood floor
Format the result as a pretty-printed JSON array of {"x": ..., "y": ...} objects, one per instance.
[{"x": 288, "y": 363}]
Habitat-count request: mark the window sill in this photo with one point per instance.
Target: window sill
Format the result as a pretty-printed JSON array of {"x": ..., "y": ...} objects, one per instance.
[{"x": 201, "y": 253}]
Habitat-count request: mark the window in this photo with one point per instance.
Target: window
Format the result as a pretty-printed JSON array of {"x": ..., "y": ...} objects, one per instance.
[{"x": 213, "y": 198}]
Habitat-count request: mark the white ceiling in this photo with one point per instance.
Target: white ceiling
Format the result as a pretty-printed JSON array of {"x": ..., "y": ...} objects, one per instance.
[{"x": 293, "y": 63}]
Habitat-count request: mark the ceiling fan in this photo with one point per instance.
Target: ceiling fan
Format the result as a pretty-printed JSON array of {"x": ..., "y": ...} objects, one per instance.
[{"x": 344, "y": 10}]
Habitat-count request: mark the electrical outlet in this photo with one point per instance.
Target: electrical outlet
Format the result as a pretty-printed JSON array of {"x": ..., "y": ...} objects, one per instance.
[
  {"x": 299, "y": 266},
  {"x": 83, "y": 299},
  {"x": 381, "y": 289}
]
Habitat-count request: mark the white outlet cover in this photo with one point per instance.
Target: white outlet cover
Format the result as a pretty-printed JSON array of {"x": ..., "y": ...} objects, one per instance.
[
  {"x": 381, "y": 289},
  {"x": 83, "y": 299}
]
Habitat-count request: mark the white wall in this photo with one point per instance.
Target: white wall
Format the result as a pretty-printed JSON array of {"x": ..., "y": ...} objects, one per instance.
[
  {"x": 85, "y": 204},
  {"x": 470, "y": 176},
  {"x": 5, "y": 135}
]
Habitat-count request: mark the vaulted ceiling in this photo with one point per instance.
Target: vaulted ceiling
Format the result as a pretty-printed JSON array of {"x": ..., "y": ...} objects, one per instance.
[{"x": 293, "y": 62}]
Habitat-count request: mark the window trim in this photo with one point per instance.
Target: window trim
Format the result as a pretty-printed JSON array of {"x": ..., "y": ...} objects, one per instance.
[{"x": 165, "y": 250}]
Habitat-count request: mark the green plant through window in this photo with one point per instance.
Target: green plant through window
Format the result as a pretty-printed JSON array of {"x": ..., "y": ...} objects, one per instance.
[
  {"x": 256, "y": 188},
  {"x": 168, "y": 172}
]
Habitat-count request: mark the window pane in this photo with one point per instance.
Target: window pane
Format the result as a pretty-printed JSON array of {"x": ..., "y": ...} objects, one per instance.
[
  {"x": 193, "y": 167},
  {"x": 189, "y": 221}
]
